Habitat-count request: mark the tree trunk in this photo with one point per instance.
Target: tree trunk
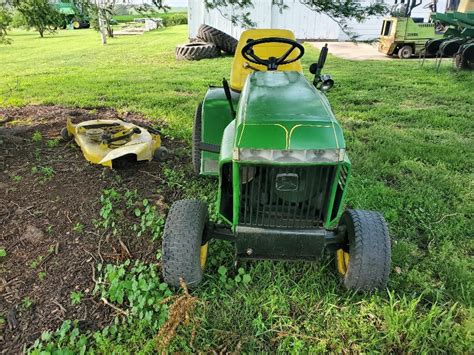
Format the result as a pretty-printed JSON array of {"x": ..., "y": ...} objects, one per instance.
[
  {"x": 102, "y": 26},
  {"x": 110, "y": 30}
]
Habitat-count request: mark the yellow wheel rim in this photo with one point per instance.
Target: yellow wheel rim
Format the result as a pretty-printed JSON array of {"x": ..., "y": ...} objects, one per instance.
[
  {"x": 76, "y": 24},
  {"x": 342, "y": 258},
  {"x": 203, "y": 255}
]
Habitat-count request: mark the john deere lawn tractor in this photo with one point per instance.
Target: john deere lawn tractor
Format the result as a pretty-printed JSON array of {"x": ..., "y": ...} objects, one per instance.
[{"x": 271, "y": 138}]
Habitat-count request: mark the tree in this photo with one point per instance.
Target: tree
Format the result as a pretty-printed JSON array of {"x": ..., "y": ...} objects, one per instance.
[
  {"x": 5, "y": 20},
  {"x": 339, "y": 10},
  {"x": 39, "y": 14}
]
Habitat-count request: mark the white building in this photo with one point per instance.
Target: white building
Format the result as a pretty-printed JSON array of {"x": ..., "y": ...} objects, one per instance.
[{"x": 305, "y": 23}]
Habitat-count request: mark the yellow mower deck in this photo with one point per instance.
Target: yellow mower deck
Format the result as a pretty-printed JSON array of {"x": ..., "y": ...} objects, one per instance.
[{"x": 103, "y": 141}]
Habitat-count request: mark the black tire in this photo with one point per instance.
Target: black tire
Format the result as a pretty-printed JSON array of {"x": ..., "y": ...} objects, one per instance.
[
  {"x": 405, "y": 52},
  {"x": 369, "y": 263},
  {"x": 197, "y": 129},
  {"x": 221, "y": 39},
  {"x": 65, "y": 134},
  {"x": 461, "y": 63},
  {"x": 182, "y": 241},
  {"x": 197, "y": 51},
  {"x": 161, "y": 154}
]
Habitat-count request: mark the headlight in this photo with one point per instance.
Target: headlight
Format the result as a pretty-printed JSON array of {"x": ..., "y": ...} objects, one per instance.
[
  {"x": 326, "y": 82},
  {"x": 289, "y": 156}
]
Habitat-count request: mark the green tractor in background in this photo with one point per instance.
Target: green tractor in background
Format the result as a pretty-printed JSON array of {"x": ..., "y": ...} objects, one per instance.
[
  {"x": 271, "y": 138},
  {"x": 75, "y": 15},
  {"x": 405, "y": 36},
  {"x": 458, "y": 39}
]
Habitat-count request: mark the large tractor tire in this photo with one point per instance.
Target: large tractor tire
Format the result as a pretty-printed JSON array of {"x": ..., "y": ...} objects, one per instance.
[
  {"x": 221, "y": 39},
  {"x": 364, "y": 263},
  {"x": 197, "y": 131},
  {"x": 183, "y": 253},
  {"x": 197, "y": 51},
  {"x": 405, "y": 52}
]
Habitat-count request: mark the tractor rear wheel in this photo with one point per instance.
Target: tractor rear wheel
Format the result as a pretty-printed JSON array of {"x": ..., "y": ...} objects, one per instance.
[
  {"x": 196, "y": 149},
  {"x": 183, "y": 252},
  {"x": 364, "y": 264},
  {"x": 76, "y": 23},
  {"x": 197, "y": 51},
  {"x": 405, "y": 52},
  {"x": 221, "y": 39}
]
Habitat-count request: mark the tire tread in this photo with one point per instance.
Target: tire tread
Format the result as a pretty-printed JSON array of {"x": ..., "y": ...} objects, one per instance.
[{"x": 182, "y": 238}]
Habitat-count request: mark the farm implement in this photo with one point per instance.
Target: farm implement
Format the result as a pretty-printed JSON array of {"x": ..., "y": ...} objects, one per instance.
[
  {"x": 110, "y": 142},
  {"x": 458, "y": 39}
]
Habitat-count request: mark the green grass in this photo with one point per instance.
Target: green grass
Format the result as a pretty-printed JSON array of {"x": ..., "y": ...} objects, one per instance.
[
  {"x": 163, "y": 15},
  {"x": 409, "y": 133}
]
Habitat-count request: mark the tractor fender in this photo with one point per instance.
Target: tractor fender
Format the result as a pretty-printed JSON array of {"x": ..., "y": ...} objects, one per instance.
[
  {"x": 216, "y": 116},
  {"x": 227, "y": 146}
]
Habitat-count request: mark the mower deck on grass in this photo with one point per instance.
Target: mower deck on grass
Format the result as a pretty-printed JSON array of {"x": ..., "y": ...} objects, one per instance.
[
  {"x": 106, "y": 141},
  {"x": 271, "y": 138}
]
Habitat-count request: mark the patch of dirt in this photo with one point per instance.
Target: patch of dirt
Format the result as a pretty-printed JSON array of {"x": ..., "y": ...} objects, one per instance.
[{"x": 47, "y": 226}]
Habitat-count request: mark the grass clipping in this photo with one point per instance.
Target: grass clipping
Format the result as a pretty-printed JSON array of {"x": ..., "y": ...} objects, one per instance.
[{"x": 178, "y": 313}]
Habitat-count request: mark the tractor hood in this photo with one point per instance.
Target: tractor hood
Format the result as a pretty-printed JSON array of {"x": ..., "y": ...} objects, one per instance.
[{"x": 281, "y": 112}]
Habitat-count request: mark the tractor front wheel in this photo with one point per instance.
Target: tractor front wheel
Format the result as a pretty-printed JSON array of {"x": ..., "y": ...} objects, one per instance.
[
  {"x": 183, "y": 252},
  {"x": 405, "y": 52},
  {"x": 364, "y": 263}
]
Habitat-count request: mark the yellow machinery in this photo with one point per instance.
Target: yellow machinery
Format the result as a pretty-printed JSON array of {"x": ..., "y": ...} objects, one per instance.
[{"x": 107, "y": 141}]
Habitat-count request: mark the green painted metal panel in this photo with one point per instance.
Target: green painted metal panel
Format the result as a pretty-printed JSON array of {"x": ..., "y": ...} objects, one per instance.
[
  {"x": 216, "y": 115},
  {"x": 282, "y": 110}
]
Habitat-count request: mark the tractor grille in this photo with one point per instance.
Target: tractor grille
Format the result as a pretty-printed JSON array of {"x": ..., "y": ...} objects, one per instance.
[{"x": 284, "y": 196}]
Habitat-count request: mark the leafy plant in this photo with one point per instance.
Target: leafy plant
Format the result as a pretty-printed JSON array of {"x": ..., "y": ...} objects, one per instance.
[
  {"x": 108, "y": 198},
  {"x": 47, "y": 171},
  {"x": 230, "y": 282},
  {"x": 52, "y": 143},
  {"x": 17, "y": 178},
  {"x": 34, "y": 264},
  {"x": 136, "y": 286},
  {"x": 5, "y": 21},
  {"x": 66, "y": 340},
  {"x": 149, "y": 220},
  {"x": 37, "y": 137},
  {"x": 26, "y": 303},
  {"x": 78, "y": 227},
  {"x": 41, "y": 275},
  {"x": 39, "y": 14},
  {"x": 3, "y": 253},
  {"x": 76, "y": 297}
]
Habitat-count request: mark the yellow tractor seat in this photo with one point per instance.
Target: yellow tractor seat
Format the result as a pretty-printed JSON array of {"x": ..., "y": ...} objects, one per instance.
[{"x": 241, "y": 68}]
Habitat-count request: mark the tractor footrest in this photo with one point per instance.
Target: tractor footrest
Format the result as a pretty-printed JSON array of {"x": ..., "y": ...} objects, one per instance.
[{"x": 282, "y": 244}]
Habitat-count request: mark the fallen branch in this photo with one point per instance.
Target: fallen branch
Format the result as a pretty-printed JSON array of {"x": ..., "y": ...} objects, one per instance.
[{"x": 121, "y": 311}]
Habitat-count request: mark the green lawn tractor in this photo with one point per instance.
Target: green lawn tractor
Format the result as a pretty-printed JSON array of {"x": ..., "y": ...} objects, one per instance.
[
  {"x": 271, "y": 138},
  {"x": 74, "y": 16},
  {"x": 405, "y": 36}
]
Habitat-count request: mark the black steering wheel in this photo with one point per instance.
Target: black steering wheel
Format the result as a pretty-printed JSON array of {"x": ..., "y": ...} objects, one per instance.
[{"x": 272, "y": 63}]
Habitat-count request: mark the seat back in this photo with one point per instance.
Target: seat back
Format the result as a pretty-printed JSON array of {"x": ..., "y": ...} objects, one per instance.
[{"x": 241, "y": 68}]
